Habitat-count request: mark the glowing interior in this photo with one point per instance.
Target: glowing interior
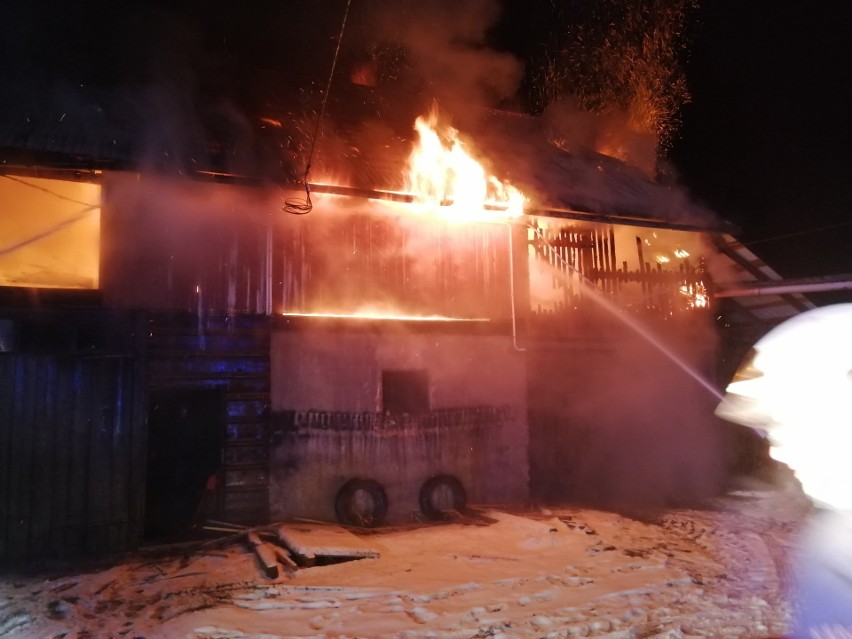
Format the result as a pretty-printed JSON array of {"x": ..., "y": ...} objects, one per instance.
[
  {"x": 661, "y": 253},
  {"x": 49, "y": 233}
]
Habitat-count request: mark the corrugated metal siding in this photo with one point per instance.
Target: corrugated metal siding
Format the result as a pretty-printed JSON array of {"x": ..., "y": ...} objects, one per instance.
[{"x": 71, "y": 451}]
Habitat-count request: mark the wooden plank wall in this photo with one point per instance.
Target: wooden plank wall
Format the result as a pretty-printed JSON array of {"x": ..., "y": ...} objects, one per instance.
[
  {"x": 419, "y": 266},
  {"x": 215, "y": 248},
  {"x": 580, "y": 255},
  {"x": 71, "y": 456},
  {"x": 231, "y": 353}
]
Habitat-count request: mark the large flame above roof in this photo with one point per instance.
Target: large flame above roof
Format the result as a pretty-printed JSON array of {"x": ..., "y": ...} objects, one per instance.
[{"x": 447, "y": 180}]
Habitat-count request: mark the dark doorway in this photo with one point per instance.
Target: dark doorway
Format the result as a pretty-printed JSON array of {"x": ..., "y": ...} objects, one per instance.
[{"x": 186, "y": 429}]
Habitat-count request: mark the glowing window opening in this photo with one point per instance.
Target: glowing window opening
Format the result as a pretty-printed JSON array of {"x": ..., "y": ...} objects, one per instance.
[{"x": 49, "y": 233}]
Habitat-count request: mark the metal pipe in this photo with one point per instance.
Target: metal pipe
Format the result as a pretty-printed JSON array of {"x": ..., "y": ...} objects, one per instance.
[
  {"x": 786, "y": 287},
  {"x": 510, "y": 229}
]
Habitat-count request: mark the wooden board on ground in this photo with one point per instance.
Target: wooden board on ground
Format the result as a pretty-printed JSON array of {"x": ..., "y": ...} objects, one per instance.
[
  {"x": 265, "y": 555},
  {"x": 323, "y": 540}
]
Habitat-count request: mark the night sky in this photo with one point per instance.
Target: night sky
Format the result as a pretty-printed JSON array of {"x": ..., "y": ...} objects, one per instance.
[{"x": 765, "y": 141}]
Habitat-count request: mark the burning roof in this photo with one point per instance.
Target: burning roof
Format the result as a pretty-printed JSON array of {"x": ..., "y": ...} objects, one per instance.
[
  {"x": 360, "y": 145},
  {"x": 521, "y": 150},
  {"x": 524, "y": 150}
]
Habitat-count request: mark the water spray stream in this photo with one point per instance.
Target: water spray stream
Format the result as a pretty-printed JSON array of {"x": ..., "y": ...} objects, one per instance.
[{"x": 632, "y": 323}]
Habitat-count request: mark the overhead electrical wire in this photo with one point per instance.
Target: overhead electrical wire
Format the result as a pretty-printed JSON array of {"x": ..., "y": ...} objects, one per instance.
[
  {"x": 800, "y": 233},
  {"x": 299, "y": 206}
]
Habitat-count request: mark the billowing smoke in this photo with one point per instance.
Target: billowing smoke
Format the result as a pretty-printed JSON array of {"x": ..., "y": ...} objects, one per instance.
[
  {"x": 397, "y": 61},
  {"x": 445, "y": 47},
  {"x": 617, "y": 423},
  {"x": 574, "y": 129},
  {"x": 622, "y": 60}
]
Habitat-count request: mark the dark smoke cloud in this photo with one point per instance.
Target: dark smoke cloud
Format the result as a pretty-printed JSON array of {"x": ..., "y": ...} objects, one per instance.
[
  {"x": 574, "y": 129},
  {"x": 621, "y": 426},
  {"x": 446, "y": 52}
]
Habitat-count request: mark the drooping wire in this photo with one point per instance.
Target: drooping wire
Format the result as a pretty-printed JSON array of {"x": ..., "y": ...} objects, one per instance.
[
  {"x": 785, "y": 236},
  {"x": 299, "y": 206}
]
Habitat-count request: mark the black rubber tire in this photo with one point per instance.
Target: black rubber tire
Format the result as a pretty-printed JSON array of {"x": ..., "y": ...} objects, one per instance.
[
  {"x": 441, "y": 496},
  {"x": 361, "y": 502}
]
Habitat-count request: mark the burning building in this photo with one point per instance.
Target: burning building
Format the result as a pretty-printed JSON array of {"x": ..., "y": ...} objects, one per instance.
[{"x": 177, "y": 345}]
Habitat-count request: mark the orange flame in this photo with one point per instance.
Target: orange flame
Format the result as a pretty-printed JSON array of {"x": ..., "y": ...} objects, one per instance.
[
  {"x": 385, "y": 316},
  {"x": 447, "y": 181},
  {"x": 696, "y": 295}
]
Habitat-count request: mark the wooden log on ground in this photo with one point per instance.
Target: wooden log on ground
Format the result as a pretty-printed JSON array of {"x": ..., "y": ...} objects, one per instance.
[
  {"x": 284, "y": 557},
  {"x": 265, "y": 555}
]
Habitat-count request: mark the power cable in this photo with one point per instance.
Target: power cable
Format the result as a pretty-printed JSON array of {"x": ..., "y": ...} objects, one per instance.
[
  {"x": 797, "y": 233},
  {"x": 299, "y": 206}
]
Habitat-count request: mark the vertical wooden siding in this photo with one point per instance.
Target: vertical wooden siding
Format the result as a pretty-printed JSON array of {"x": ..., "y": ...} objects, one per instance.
[
  {"x": 230, "y": 353},
  {"x": 71, "y": 456},
  {"x": 205, "y": 247}
]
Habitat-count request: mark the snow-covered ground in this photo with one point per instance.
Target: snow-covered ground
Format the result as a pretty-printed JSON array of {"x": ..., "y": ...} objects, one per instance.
[{"x": 568, "y": 572}]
